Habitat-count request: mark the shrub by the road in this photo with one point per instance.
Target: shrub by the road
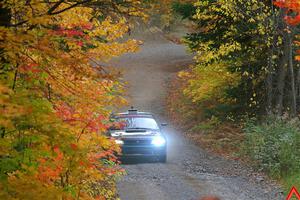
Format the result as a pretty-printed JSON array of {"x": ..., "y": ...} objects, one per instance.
[{"x": 275, "y": 145}]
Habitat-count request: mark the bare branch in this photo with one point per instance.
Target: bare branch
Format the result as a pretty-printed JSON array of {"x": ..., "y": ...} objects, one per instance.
[
  {"x": 70, "y": 7},
  {"x": 56, "y": 5}
]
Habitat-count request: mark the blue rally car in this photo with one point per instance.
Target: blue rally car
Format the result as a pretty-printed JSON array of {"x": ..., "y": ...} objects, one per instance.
[{"x": 139, "y": 134}]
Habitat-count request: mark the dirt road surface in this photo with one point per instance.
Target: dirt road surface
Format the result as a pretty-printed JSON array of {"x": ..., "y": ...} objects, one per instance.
[{"x": 190, "y": 172}]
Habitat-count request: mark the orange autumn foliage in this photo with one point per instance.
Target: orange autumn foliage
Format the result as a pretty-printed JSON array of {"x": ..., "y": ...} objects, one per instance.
[
  {"x": 292, "y": 9},
  {"x": 56, "y": 97}
]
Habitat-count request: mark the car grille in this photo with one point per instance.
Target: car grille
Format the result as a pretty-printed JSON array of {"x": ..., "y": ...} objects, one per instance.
[
  {"x": 134, "y": 142},
  {"x": 140, "y": 146},
  {"x": 138, "y": 150}
]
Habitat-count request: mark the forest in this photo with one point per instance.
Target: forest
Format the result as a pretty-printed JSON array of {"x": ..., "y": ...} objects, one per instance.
[
  {"x": 56, "y": 97},
  {"x": 241, "y": 97}
]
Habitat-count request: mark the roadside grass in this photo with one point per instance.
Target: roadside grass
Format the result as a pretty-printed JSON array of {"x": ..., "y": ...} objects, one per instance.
[
  {"x": 275, "y": 145},
  {"x": 272, "y": 146}
]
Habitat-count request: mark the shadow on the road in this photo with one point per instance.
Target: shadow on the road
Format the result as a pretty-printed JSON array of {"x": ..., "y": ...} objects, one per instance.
[{"x": 137, "y": 160}]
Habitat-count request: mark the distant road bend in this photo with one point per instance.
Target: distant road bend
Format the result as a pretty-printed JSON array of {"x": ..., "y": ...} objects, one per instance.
[{"x": 190, "y": 172}]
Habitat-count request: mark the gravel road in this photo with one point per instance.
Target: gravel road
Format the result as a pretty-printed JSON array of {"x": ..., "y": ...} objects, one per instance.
[{"x": 190, "y": 172}]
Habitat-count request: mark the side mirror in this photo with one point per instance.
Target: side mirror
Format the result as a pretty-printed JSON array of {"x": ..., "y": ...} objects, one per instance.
[{"x": 164, "y": 124}]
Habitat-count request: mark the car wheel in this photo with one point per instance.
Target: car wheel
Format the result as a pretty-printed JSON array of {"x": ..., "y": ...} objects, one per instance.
[{"x": 162, "y": 158}]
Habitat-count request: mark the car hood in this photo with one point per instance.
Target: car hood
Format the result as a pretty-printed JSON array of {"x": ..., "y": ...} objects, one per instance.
[{"x": 123, "y": 133}]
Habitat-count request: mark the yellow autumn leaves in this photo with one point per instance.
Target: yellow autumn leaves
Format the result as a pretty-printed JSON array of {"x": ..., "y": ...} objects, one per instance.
[{"x": 57, "y": 95}]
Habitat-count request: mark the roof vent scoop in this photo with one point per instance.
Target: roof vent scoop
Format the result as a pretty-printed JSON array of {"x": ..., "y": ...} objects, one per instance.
[{"x": 132, "y": 110}]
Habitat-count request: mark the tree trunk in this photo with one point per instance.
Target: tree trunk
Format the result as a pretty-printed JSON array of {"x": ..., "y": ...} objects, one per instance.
[
  {"x": 298, "y": 86},
  {"x": 292, "y": 75},
  {"x": 280, "y": 89},
  {"x": 269, "y": 80},
  {"x": 269, "y": 85},
  {"x": 281, "y": 77}
]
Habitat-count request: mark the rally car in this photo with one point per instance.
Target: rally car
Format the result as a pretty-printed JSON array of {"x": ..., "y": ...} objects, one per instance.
[{"x": 139, "y": 134}]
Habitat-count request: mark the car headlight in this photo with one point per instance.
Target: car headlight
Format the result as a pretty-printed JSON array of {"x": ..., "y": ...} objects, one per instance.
[
  {"x": 120, "y": 142},
  {"x": 158, "y": 141}
]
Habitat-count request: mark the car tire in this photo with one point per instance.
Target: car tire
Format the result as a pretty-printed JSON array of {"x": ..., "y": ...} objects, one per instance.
[{"x": 162, "y": 158}]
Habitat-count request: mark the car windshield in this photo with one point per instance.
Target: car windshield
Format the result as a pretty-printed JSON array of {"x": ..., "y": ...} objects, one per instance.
[{"x": 138, "y": 123}]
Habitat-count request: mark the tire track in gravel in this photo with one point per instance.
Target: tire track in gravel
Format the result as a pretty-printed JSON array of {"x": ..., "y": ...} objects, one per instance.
[{"x": 190, "y": 172}]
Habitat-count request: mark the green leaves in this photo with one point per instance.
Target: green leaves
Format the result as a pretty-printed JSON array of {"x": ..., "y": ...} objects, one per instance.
[{"x": 231, "y": 44}]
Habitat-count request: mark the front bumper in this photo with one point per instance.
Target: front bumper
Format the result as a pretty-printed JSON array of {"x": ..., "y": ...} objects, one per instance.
[
  {"x": 128, "y": 151},
  {"x": 141, "y": 146}
]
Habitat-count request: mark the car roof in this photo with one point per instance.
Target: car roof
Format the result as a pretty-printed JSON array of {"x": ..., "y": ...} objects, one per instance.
[{"x": 134, "y": 113}]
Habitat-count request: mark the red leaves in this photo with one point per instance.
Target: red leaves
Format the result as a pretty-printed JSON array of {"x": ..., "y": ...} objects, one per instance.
[
  {"x": 64, "y": 112},
  {"x": 48, "y": 174},
  {"x": 51, "y": 168},
  {"x": 87, "y": 26},
  {"x": 76, "y": 31},
  {"x": 293, "y": 21},
  {"x": 280, "y": 4},
  {"x": 292, "y": 7},
  {"x": 88, "y": 120},
  {"x": 74, "y": 146},
  {"x": 289, "y": 4},
  {"x": 67, "y": 32},
  {"x": 80, "y": 43},
  {"x": 30, "y": 67},
  {"x": 104, "y": 154}
]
